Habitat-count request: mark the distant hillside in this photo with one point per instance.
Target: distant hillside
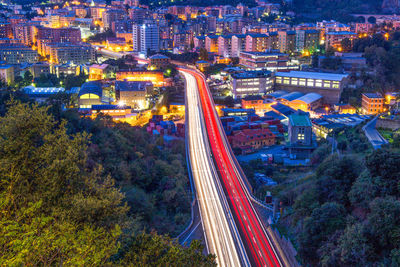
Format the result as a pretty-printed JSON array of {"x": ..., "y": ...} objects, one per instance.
[{"x": 336, "y": 9}]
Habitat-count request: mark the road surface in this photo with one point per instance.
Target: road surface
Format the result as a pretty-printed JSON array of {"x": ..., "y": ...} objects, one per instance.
[
  {"x": 374, "y": 137},
  {"x": 221, "y": 235},
  {"x": 207, "y": 132}
]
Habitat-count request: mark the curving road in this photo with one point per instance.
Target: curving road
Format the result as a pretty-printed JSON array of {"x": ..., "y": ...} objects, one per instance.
[
  {"x": 206, "y": 131},
  {"x": 222, "y": 236}
]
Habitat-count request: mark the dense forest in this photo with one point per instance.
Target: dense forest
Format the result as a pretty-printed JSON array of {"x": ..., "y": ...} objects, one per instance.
[
  {"x": 346, "y": 213},
  {"x": 80, "y": 192}
]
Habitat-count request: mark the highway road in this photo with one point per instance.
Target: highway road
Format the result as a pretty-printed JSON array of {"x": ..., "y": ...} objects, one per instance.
[
  {"x": 261, "y": 247},
  {"x": 374, "y": 137},
  {"x": 221, "y": 235}
]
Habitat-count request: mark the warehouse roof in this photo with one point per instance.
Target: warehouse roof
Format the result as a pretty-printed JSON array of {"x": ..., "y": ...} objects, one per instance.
[
  {"x": 312, "y": 75},
  {"x": 291, "y": 96},
  {"x": 309, "y": 98}
]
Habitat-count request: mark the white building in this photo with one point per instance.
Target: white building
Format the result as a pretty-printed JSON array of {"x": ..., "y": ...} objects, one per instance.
[
  {"x": 251, "y": 83},
  {"x": 145, "y": 37}
]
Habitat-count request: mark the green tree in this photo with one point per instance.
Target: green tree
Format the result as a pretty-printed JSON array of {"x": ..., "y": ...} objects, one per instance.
[
  {"x": 203, "y": 55},
  {"x": 323, "y": 222},
  {"x": 28, "y": 77},
  {"x": 155, "y": 250},
  {"x": 53, "y": 208}
]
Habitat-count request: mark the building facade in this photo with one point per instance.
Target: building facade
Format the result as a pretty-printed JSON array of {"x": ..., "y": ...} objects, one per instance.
[
  {"x": 17, "y": 54},
  {"x": 145, "y": 37},
  {"x": 372, "y": 103},
  {"x": 328, "y": 85},
  {"x": 251, "y": 83}
]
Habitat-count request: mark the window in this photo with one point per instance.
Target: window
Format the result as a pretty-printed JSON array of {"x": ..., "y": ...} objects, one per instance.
[
  {"x": 301, "y": 134},
  {"x": 327, "y": 84}
]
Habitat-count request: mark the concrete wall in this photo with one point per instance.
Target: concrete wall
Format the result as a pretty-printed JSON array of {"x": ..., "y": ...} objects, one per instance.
[{"x": 387, "y": 123}]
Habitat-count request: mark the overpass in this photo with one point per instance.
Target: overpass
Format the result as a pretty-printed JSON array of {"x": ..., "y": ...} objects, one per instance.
[{"x": 372, "y": 18}]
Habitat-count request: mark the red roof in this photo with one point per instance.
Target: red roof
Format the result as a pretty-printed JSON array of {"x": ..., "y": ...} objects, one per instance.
[{"x": 246, "y": 135}]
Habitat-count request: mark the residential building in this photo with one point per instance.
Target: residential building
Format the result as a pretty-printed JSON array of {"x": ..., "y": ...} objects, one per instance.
[
  {"x": 287, "y": 41},
  {"x": 159, "y": 60},
  {"x": 145, "y": 37},
  {"x": 100, "y": 72},
  {"x": 225, "y": 45},
  {"x": 334, "y": 39},
  {"x": 328, "y": 85},
  {"x": 211, "y": 44},
  {"x": 77, "y": 54},
  {"x": 5, "y": 30},
  {"x": 137, "y": 14},
  {"x": 307, "y": 40},
  {"x": 7, "y": 74},
  {"x": 26, "y": 33},
  {"x": 273, "y": 61},
  {"x": 238, "y": 44},
  {"x": 112, "y": 15},
  {"x": 251, "y": 83},
  {"x": 372, "y": 103},
  {"x": 17, "y": 53},
  {"x": 40, "y": 68},
  {"x": 256, "y": 42},
  {"x": 62, "y": 35},
  {"x": 199, "y": 41}
]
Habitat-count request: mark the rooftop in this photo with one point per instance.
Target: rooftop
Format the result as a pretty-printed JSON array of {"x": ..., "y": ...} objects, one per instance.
[
  {"x": 299, "y": 120},
  {"x": 291, "y": 96},
  {"x": 92, "y": 87},
  {"x": 372, "y": 95},
  {"x": 125, "y": 86},
  {"x": 312, "y": 75},
  {"x": 309, "y": 98},
  {"x": 341, "y": 33},
  {"x": 159, "y": 56},
  {"x": 252, "y": 74}
]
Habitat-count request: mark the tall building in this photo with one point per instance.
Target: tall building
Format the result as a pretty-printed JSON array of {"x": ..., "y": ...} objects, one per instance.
[
  {"x": 256, "y": 42},
  {"x": 307, "y": 40},
  {"x": 17, "y": 53},
  {"x": 287, "y": 41},
  {"x": 112, "y": 15},
  {"x": 212, "y": 43},
  {"x": 145, "y": 37},
  {"x": 238, "y": 44},
  {"x": 25, "y": 32},
  {"x": 225, "y": 45},
  {"x": 137, "y": 14},
  {"x": 5, "y": 29},
  {"x": 61, "y": 53}
]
